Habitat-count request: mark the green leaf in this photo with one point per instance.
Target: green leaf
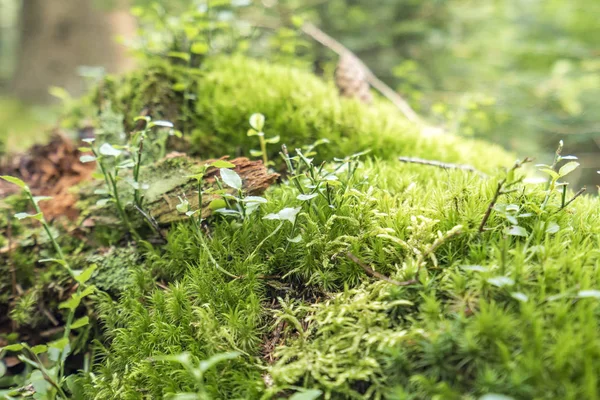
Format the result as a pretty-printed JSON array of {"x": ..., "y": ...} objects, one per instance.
[
  {"x": 305, "y": 197},
  {"x": 183, "y": 207},
  {"x": 13, "y": 347},
  {"x": 308, "y": 394},
  {"x": 179, "y": 54},
  {"x": 40, "y": 348},
  {"x": 257, "y": 121},
  {"x": 162, "y": 124},
  {"x": 568, "y": 168},
  {"x": 71, "y": 303},
  {"x": 59, "y": 344},
  {"x": 59, "y": 93},
  {"x": 296, "y": 239},
  {"x": 522, "y": 297},
  {"x": 56, "y": 260},
  {"x": 107, "y": 150},
  {"x": 199, "y": 48},
  {"x": 222, "y": 164},
  {"x": 256, "y": 153},
  {"x": 253, "y": 132},
  {"x": 37, "y": 199},
  {"x": 501, "y": 281},
  {"x": 553, "y": 227},
  {"x": 273, "y": 140},
  {"x": 495, "y": 396},
  {"x": 84, "y": 276},
  {"x": 217, "y": 358},
  {"x": 86, "y": 158},
  {"x": 231, "y": 178},
  {"x": 517, "y": 231},
  {"x": 22, "y": 215},
  {"x": 15, "y": 181},
  {"x": 254, "y": 199},
  {"x": 217, "y": 204},
  {"x": 78, "y": 323},
  {"x": 551, "y": 172},
  {"x": 583, "y": 294}
]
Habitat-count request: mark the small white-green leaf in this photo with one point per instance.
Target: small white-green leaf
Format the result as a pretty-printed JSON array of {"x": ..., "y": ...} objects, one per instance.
[
  {"x": 305, "y": 197},
  {"x": 37, "y": 199},
  {"x": 40, "y": 348},
  {"x": 520, "y": 296},
  {"x": 517, "y": 231},
  {"x": 56, "y": 260},
  {"x": 86, "y": 158},
  {"x": 501, "y": 281},
  {"x": 296, "y": 239},
  {"x": 569, "y": 158},
  {"x": 257, "y": 121},
  {"x": 183, "y": 207},
  {"x": 273, "y": 140},
  {"x": 107, "y": 150},
  {"x": 476, "y": 268},
  {"x": 289, "y": 214},
  {"x": 15, "y": 181},
  {"x": 495, "y": 396},
  {"x": 217, "y": 204},
  {"x": 231, "y": 178},
  {"x": 103, "y": 202},
  {"x": 217, "y": 358},
  {"x": 307, "y": 394},
  {"x": 22, "y": 215},
  {"x": 254, "y": 199},
  {"x": 256, "y": 153},
  {"x": 553, "y": 227},
  {"x": 199, "y": 48},
  {"x": 78, "y": 323},
  {"x": 551, "y": 172},
  {"x": 589, "y": 294},
  {"x": 568, "y": 168}
]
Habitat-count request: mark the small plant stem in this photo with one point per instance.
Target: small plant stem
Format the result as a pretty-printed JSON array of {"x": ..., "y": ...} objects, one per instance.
[
  {"x": 564, "y": 197},
  {"x": 579, "y": 193},
  {"x": 47, "y": 229},
  {"x": 372, "y": 273},
  {"x": 208, "y": 252},
  {"x": 136, "y": 172},
  {"x": 253, "y": 254},
  {"x": 113, "y": 183},
  {"x": 37, "y": 363},
  {"x": 263, "y": 149}
]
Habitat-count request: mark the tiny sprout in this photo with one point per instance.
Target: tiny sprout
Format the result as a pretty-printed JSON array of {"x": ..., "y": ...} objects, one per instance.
[
  {"x": 257, "y": 122},
  {"x": 183, "y": 206}
]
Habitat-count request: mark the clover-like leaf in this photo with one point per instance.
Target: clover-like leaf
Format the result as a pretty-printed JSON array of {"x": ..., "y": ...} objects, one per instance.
[
  {"x": 231, "y": 178},
  {"x": 257, "y": 121}
]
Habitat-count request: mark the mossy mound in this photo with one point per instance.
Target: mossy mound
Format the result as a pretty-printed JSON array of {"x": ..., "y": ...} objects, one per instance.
[
  {"x": 476, "y": 313},
  {"x": 213, "y": 105}
]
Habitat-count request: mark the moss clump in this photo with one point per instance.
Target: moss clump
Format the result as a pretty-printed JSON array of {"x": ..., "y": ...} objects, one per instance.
[{"x": 475, "y": 312}]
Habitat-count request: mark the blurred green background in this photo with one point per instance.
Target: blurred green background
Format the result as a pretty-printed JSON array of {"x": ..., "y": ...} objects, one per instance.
[{"x": 522, "y": 73}]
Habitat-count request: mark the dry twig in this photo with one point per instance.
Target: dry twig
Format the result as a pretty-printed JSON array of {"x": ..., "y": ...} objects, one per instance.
[{"x": 440, "y": 164}]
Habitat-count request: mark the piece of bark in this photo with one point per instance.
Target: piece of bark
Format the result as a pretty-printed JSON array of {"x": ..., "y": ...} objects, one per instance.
[{"x": 162, "y": 198}]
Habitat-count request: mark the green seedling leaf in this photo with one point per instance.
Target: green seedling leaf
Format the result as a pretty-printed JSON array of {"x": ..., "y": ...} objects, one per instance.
[
  {"x": 257, "y": 121},
  {"x": 13, "y": 347},
  {"x": 308, "y": 394},
  {"x": 109, "y": 151},
  {"x": 522, "y": 297},
  {"x": 553, "y": 227},
  {"x": 587, "y": 294},
  {"x": 495, "y": 396},
  {"x": 551, "y": 172},
  {"x": 217, "y": 204},
  {"x": 476, "y": 268},
  {"x": 217, "y": 358},
  {"x": 517, "y": 231},
  {"x": 78, "y": 323},
  {"x": 59, "y": 93},
  {"x": 569, "y": 158},
  {"x": 568, "y": 168},
  {"x": 56, "y": 260},
  {"x": 22, "y": 215},
  {"x": 231, "y": 178},
  {"x": 162, "y": 124},
  {"x": 222, "y": 164},
  {"x": 87, "y": 291},
  {"x": 305, "y": 197},
  {"x": 256, "y": 153},
  {"x": 84, "y": 149},
  {"x": 37, "y": 199},
  {"x": 273, "y": 140},
  {"x": 89, "y": 140},
  {"x": 86, "y": 158},
  {"x": 179, "y": 87},
  {"x": 254, "y": 199},
  {"x": 40, "y": 348},
  {"x": 71, "y": 304},
  {"x": 296, "y": 239},
  {"x": 501, "y": 281},
  {"x": 287, "y": 214},
  {"x": 15, "y": 181},
  {"x": 59, "y": 344},
  {"x": 253, "y": 132},
  {"x": 103, "y": 202},
  {"x": 83, "y": 277},
  {"x": 183, "y": 207}
]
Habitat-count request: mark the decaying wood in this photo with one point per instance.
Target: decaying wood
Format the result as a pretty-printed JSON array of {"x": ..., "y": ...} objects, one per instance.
[
  {"x": 162, "y": 206},
  {"x": 49, "y": 170}
]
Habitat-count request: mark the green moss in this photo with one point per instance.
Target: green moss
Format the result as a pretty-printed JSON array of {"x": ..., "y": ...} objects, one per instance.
[{"x": 480, "y": 312}]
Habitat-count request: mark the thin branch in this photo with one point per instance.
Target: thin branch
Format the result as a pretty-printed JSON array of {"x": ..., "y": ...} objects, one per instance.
[
  {"x": 393, "y": 96},
  {"x": 499, "y": 192},
  {"x": 440, "y": 164},
  {"x": 371, "y": 272},
  {"x": 579, "y": 193}
]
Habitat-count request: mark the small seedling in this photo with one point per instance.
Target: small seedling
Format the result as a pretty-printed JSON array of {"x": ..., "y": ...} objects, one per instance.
[{"x": 257, "y": 122}]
